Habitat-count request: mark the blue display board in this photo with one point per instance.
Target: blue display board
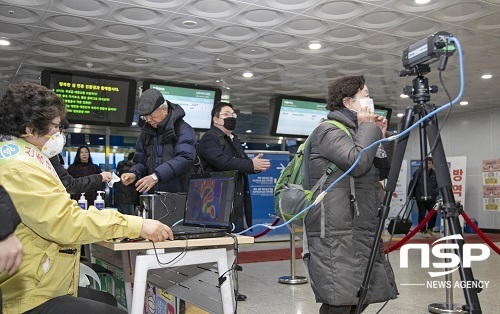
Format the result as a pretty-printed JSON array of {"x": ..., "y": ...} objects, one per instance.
[{"x": 262, "y": 190}]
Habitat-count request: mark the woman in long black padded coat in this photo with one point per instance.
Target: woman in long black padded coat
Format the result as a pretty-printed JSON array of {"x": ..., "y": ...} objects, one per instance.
[{"x": 338, "y": 260}]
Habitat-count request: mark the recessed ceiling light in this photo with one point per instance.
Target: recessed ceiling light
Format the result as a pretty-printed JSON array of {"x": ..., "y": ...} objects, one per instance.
[
  {"x": 249, "y": 131},
  {"x": 101, "y": 138},
  {"x": 247, "y": 74},
  {"x": 464, "y": 103},
  {"x": 400, "y": 115},
  {"x": 404, "y": 96},
  {"x": 134, "y": 123},
  {"x": 217, "y": 81},
  {"x": 486, "y": 76},
  {"x": 4, "y": 42},
  {"x": 190, "y": 23},
  {"x": 422, "y": 1},
  {"x": 314, "y": 45},
  {"x": 141, "y": 60}
]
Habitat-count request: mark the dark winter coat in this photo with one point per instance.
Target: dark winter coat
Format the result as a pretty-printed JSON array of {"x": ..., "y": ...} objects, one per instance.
[
  {"x": 169, "y": 151},
  {"x": 229, "y": 155},
  {"x": 125, "y": 194},
  {"x": 338, "y": 262},
  {"x": 82, "y": 170},
  {"x": 432, "y": 186},
  {"x": 76, "y": 186}
]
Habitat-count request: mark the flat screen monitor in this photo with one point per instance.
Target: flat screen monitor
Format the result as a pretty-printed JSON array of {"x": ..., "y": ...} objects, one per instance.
[
  {"x": 196, "y": 100},
  {"x": 295, "y": 116},
  {"x": 94, "y": 99},
  {"x": 384, "y": 112}
]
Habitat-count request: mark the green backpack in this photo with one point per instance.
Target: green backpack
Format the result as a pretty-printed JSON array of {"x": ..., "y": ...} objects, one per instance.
[{"x": 292, "y": 194}]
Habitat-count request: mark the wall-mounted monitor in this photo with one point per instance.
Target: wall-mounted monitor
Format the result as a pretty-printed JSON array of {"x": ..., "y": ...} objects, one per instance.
[
  {"x": 295, "y": 116},
  {"x": 92, "y": 98},
  {"x": 196, "y": 100}
]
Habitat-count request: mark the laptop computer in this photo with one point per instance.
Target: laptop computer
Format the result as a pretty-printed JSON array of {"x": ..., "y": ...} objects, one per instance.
[{"x": 209, "y": 206}]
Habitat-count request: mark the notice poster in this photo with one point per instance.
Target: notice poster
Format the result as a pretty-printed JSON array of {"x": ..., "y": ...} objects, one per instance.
[
  {"x": 399, "y": 196},
  {"x": 491, "y": 184},
  {"x": 457, "y": 174}
]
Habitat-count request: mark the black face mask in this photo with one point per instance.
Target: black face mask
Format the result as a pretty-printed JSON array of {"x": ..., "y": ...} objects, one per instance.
[{"x": 230, "y": 123}]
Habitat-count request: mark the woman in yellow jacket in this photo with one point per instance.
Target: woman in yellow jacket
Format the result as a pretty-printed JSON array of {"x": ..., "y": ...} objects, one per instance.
[{"x": 53, "y": 226}]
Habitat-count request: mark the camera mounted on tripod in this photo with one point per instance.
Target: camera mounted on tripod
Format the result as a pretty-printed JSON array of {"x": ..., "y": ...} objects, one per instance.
[{"x": 416, "y": 59}]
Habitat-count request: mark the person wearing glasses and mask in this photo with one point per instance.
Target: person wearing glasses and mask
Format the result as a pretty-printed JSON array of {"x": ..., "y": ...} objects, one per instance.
[
  {"x": 166, "y": 148},
  {"x": 340, "y": 231},
  {"x": 221, "y": 150},
  {"x": 74, "y": 185},
  {"x": 53, "y": 226}
]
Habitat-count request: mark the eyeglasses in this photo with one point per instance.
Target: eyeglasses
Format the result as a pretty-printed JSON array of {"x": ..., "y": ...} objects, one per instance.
[
  {"x": 228, "y": 114},
  {"x": 151, "y": 115},
  {"x": 59, "y": 126}
]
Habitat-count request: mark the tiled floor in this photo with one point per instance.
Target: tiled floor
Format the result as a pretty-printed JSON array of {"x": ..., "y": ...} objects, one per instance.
[{"x": 259, "y": 281}]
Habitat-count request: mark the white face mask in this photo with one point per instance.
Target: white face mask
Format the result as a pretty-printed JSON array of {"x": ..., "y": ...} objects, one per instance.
[
  {"x": 367, "y": 102},
  {"x": 54, "y": 145}
]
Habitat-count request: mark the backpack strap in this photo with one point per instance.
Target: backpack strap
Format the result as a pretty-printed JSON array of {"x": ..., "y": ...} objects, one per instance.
[
  {"x": 331, "y": 168},
  {"x": 222, "y": 140}
]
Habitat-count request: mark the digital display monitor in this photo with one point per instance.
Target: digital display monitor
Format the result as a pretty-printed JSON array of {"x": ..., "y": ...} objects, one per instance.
[
  {"x": 384, "y": 112},
  {"x": 93, "y": 99},
  {"x": 196, "y": 100},
  {"x": 296, "y": 116}
]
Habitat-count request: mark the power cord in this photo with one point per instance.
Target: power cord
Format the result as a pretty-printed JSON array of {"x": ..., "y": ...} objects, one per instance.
[{"x": 174, "y": 259}]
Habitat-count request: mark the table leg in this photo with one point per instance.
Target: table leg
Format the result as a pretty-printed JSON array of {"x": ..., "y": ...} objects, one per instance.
[
  {"x": 226, "y": 289},
  {"x": 127, "y": 271}
]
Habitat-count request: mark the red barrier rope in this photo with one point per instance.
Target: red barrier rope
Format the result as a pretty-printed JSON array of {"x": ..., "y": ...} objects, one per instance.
[
  {"x": 400, "y": 243},
  {"x": 267, "y": 229},
  {"x": 480, "y": 233}
]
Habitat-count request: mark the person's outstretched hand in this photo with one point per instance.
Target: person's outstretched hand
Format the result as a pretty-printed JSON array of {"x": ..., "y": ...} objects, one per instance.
[
  {"x": 11, "y": 254},
  {"x": 260, "y": 164},
  {"x": 106, "y": 176},
  {"x": 127, "y": 178},
  {"x": 155, "y": 231}
]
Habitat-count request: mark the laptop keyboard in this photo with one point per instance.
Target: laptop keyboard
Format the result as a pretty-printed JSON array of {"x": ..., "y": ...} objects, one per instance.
[{"x": 191, "y": 229}]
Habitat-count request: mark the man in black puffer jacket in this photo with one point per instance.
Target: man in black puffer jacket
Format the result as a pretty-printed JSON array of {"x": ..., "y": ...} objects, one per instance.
[{"x": 166, "y": 148}]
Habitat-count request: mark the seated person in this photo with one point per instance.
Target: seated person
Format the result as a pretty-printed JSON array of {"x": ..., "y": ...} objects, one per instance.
[{"x": 53, "y": 226}]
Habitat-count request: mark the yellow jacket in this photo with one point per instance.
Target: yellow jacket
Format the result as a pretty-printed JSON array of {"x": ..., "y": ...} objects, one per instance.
[{"x": 52, "y": 230}]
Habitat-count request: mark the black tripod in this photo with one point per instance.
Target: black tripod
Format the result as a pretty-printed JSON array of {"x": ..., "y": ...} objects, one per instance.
[{"x": 420, "y": 94}]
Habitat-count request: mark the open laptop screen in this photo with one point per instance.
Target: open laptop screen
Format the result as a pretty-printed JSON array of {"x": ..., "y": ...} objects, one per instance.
[{"x": 210, "y": 199}]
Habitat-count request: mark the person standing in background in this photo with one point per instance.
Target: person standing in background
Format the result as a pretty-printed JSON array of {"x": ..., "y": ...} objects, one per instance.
[
  {"x": 221, "y": 150},
  {"x": 425, "y": 202},
  {"x": 126, "y": 196},
  {"x": 166, "y": 148},
  {"x": 83, "y": 166},
  {"x": 77, "y": 185}
]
